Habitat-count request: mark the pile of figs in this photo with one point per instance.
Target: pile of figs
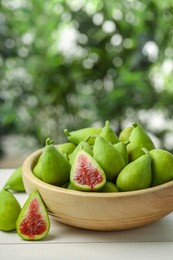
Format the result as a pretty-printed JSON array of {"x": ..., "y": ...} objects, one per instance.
[
  {"x": 93, "y": 159},
  {"x": 97, "y": 159}
]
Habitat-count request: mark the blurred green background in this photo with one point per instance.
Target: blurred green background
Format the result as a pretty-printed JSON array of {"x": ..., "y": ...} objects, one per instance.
[{"x": 76, "y": 63}]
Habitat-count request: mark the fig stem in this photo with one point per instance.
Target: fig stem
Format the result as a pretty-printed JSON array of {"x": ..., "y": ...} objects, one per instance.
[
  {"x": 87, "y": 138},
  {"x": 107, "y": 123},
  {"x": 127, "y": 142},
  {"x": 145, "y": 150},
  {"x": 67, "y": 133},
  {"x": 49, "y": 141},
  {"x": 134, "y": 124},
  {"x": 6, "y": 187}
]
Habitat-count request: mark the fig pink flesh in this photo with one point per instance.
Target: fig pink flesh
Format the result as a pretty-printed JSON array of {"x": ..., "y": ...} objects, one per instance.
[
  {"x": 86, "y": 173},
  {"x": 33, "y": 224}
]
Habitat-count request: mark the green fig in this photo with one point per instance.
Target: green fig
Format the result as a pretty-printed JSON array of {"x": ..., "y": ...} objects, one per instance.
[
  {"x": 33, "y": 222},
  {"x": 15, "y": 181},
  {"x": 9, "y": 210},
  {"x": 138, "y": 139},
  {"x": 64, "y": 185},
  {"x": 109, "y": 187},
  {"x": 86, "y": 174},
  {"x": 70, "y": 186},
  {"x": 108, "y": 157},
  {"x": 82, "y": 134},
  {"x": 162, "y": 166},
  {"x": 52, "y": 166},
  {"x": 37, "y": 169},
  {"x": 121, "y": 147},
  {"x": 66, "y": 148},
  {"x": 108, "y": 133},
  {"x": 125, "y": 133},
  {"x": 82, "y": 145},
  {"x": 135, "y": 175}
]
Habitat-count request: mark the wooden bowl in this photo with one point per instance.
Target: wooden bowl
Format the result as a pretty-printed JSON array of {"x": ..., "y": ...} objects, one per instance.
[{"x": 97, "y": 210}]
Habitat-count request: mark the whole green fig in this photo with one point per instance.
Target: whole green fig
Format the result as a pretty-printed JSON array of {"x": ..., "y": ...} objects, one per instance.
[
  {"x": 108, "y": 157},
  {"x": 108, "y": 133},
  {"x": 52, "y": 166},
  {"x": 9, "y": 210},
  {"x": 66, "y": 148},
  {"x": 109, "y": 187},
  {"x": 82, "y": 134},
  {"x": 135, "y": 175},
  {"x": 139, "y": 139},
  {"x": 125, "y": 133},
  {"x": 162, "y": 166},
  {"x": 121, "y": 147},
  {"x": 15, "y": 181}
]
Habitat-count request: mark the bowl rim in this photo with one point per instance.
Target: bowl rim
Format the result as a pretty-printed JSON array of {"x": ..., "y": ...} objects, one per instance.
[{"x": 32, "y": 158}]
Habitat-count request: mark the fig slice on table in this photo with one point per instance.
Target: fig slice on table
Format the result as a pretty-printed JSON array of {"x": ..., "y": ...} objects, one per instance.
[
  {"x": 86, "y": 174},
  {"x": 33, "y": 222}
]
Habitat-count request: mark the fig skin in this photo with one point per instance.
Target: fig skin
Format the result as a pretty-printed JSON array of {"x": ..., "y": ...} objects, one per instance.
[
  {"x": 136, "y": 175},
  {"x": 162, "y": 166},
  {"x": 121, "y": 147},
  {"x": 9, "y": 210},
  {"x": 108, "y": 157},
  {"x": 52, "y": 166},
  {"x": 15, "y": 181},
  {"x": 66, "y": 148},
  {"x": 82, "y": 134},
  {"x": 108, "y": 133},
  {"x": 109, "y": 187},
  {"x": 125, "y": 133},
  {"x": 139, "y": 139}
]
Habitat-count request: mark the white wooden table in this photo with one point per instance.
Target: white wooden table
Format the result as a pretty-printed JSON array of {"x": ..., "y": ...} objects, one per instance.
[{"x": 154, "y": 241}]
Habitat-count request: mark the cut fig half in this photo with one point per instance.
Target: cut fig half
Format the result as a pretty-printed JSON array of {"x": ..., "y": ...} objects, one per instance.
[
  {"x": 33, "y": 221},
  {"x": 86, "y": 174}
]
